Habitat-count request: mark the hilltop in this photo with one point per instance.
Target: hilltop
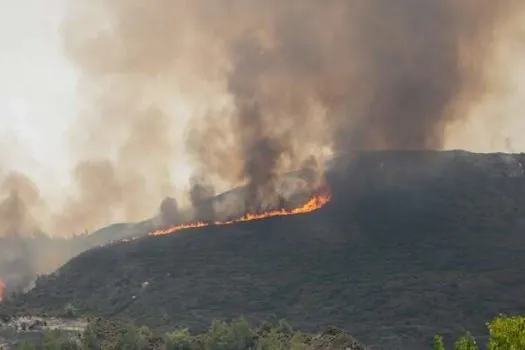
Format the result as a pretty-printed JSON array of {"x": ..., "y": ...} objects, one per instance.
[{"x": 412, "y": 244}]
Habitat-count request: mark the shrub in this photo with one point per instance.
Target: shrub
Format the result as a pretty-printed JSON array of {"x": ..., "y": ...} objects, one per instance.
[
  {"x": 236, "y": 335},
  {"x": 466, "y": 342},
  {"x": 438, "y": 343},
  {"x": 273, "y": 341},
  {"x": 284, "y": 327},
  {"x": 298, "y": 341},
  {"x": 131, "y": 338},
  {"x": 178, "y": 340},
  {"x": 507, "y": 333}
]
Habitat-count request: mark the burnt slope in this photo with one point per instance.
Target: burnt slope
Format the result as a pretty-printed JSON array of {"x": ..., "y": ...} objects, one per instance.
[{"x": 413, "y": 243}]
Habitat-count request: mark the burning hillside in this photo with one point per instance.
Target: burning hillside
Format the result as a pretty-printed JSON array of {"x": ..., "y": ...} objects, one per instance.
[
  {"x": 407, "y": 237},
  {"x": 316, "y": 201}
]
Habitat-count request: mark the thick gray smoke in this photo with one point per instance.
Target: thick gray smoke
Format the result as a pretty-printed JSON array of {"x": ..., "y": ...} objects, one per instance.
[
  {"x": 170, "y": 212},
  {"x": 386, "y": 75},
  {"x": 201, "y": 194},
  {"x": 293, "y": 77}
]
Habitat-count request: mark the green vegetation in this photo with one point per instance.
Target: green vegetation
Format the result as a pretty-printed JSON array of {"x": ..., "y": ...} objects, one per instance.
[
  {"x": 506, "y": 333},
  {"x": 438, "y": 343},
  {"x": 235, "y": 335}
]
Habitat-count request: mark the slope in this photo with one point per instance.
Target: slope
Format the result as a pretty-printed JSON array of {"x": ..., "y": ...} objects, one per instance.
[{"x": 413, "y": 243}]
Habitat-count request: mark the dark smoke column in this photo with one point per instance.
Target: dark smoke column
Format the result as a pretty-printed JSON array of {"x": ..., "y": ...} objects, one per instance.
[
  {"x": 201, "y": 196},
  {"x": 261, "y": 191},
  {"x": 260, "y": 148},
  {"x": 169, "y": 212}
]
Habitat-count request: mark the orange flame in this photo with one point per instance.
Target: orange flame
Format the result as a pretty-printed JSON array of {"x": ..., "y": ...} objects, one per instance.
[
  {"x": 2, "y": 287},
  {"x": 315, "y": 202}
]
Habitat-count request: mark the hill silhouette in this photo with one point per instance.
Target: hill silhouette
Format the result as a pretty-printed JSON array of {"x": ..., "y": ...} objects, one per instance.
[{"x": 412, "y": 244}]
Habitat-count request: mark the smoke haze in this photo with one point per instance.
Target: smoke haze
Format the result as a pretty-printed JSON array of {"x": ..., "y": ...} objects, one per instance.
[{"x": 272, "y": 86}]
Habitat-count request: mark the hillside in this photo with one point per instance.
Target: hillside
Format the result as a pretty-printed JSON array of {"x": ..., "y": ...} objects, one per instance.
[
  {"x": 412, "y": 244},
  {"x": 26, "y": 255}
]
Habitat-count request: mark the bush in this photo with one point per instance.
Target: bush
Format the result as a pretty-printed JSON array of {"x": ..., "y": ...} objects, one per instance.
[
  {"x": 273, "y": 341},
  {"x": 236, "y": 335},
  {"x": 298, "y": 341},
  {"x": 466, "y": 342},
  {"x": 284, "y": 327},
  {"x": 507, "y": 333},
  {"x": 131, "y": 338},
  {"x": 178, "y": 340},
  {"x": 438, "y": 343}
]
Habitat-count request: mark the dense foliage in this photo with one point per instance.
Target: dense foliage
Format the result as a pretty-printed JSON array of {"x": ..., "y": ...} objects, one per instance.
[
  {"x": 506, "y": 333},
  {"x": 234, "y": 335}
]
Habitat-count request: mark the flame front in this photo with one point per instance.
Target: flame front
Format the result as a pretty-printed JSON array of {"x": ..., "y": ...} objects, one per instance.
[{"x": 315, "y": 202}]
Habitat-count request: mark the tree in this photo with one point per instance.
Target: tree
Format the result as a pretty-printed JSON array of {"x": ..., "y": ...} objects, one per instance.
[
  {"x": 131, "y": 338},
  {"x": 178, "y": 340},
  {"x": 438, "y": 343},
  {"x": 236, "y": 335},
  {"x": 298, "y": 341},
  {"x": 466, "y": 342},
  {"x": 507, "y": 333},
  {"x": 273, "y": 341}
]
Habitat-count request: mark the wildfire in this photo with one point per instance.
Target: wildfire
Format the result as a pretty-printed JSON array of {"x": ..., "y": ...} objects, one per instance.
[{"x": 315, "y": 202}]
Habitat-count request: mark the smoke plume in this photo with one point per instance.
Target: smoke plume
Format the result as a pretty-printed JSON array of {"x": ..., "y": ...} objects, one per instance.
[
  {"x": 201, "y": 193},
  {"x": 169, "y": 212},
  {"x": 373, "y": 74},
  {"x": 19, "y": 205}
]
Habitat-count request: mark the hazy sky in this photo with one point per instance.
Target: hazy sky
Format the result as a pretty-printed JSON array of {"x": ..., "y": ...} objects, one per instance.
[
  {"x": 38, "y": 100},
  {"x": 37, "y": 87},
  {"x": 37, "y": 96}
]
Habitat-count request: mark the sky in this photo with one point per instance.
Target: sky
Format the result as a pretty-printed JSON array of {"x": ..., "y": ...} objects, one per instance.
[
  {"x": 38, "y": 94},
  {"x": 37, "y": 87}
]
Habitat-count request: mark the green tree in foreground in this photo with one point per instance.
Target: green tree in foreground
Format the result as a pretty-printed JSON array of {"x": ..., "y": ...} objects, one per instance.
[
  {"x": 506, "y": 333},
  {"x": 466, "y": 342},
  {"x": 438, "y": 343},
  {"x": 235, "y": 335},
  {"x": 178, "y": 340},
  {"x": 224, "y": 336}
]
